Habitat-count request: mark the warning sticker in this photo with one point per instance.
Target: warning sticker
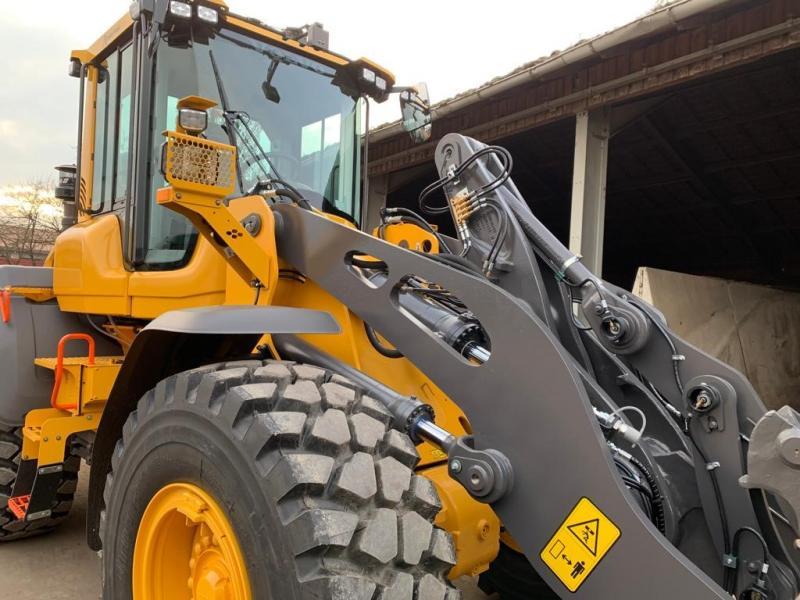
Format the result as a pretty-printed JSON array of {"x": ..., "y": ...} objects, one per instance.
[{"x": 579, "y": 545}]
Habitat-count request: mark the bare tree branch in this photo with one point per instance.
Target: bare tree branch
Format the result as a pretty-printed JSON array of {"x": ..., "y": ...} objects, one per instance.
[{"x": 30, "y": 220}]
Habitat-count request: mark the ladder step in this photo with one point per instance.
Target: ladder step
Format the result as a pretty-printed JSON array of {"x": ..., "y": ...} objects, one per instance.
[
  {"x": 19, "y": 505},
  {"x": 34, "y": 434}
]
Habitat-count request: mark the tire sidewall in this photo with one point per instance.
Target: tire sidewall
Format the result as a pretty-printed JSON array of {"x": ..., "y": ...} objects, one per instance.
[{"x": 180, "y": 445}]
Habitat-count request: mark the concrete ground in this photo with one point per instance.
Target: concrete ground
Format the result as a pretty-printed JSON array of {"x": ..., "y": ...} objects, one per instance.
[{"x": 60, "y": 566}]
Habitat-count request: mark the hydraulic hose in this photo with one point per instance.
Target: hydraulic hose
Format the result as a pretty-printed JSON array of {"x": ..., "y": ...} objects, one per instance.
[
  {"x": 406, "y": 410},
  {"x": 567, "y": 264}
]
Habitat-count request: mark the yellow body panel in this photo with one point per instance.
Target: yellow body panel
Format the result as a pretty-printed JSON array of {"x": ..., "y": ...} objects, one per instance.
[
  {"x": 87, "y": 143},
  {"x": 47, "y": 430},
  {"x": 125, "y": 22},
  {"x": 200, "y": 283},
  {"x": 84, "y": 385},
  {"x": 112, "y": 34},
  {"x": 408, "y": 236},
  {"x": 34, "y": 294},
  {"x": 474, "y": 526},
  {"x": 88, "y": 272}
]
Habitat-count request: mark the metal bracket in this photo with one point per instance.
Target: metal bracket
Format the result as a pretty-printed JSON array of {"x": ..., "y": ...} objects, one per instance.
[
  {"x": 773, "y": 458},
  {"x": 486, "y": 474}
]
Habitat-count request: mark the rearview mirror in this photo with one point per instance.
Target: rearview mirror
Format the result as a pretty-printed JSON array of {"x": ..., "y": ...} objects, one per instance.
[{"x": 416, "y": 108}]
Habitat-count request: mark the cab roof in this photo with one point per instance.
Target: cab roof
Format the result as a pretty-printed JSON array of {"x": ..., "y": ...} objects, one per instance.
[{"x": 252, "y": 26}]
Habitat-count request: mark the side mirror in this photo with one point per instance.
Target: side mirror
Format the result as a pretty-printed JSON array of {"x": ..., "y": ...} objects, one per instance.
[{"x": 415, "y": 105}]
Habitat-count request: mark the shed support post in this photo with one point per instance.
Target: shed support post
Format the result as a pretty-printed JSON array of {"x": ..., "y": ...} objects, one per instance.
[
  {"x": 378, "y": 190},
  {"x": 587, "y": 220}
]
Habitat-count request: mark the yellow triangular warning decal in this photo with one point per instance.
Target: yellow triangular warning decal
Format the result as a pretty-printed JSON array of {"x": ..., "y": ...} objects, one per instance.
[{"x": 587, "y": 533}]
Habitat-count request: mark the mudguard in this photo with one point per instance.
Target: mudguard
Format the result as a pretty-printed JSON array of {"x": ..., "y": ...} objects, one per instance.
[{"x": 177, "y": 341}]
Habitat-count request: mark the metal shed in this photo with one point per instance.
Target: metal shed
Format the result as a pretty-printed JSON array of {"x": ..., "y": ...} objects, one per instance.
[{"x": 672, "y": 142}]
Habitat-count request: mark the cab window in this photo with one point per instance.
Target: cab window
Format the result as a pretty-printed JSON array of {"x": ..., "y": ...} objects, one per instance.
[{"x": 112, "y": 131}]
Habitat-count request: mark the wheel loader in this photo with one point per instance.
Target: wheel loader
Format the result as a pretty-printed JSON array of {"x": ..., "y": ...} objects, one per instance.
[{"x": 277, "y": 402}]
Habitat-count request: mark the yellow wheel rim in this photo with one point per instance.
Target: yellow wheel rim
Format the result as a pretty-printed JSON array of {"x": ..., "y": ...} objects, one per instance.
[{"x": 186, "y": 549}]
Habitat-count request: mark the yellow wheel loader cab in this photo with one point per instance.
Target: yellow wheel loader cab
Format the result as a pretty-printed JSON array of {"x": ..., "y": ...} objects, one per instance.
[
  {"x": 277, "y": 404},
  {"x": 251, "y": 111}
]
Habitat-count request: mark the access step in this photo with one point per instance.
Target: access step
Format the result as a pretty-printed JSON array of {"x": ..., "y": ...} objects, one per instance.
[{"x": 19, "y": 505}]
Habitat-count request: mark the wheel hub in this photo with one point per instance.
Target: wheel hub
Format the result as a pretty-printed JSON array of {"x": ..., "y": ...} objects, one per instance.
[
  {"x": 186, "y": 549},
  {"x": 210, "y": 577}
]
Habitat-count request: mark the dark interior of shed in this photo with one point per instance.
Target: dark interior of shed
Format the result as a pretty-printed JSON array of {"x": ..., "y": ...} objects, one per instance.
[{"x": 703, "y": 179}]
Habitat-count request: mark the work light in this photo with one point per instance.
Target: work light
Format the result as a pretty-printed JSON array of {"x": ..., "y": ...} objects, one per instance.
[
  {"x": 368, "y": 75},
  {"x": 209, "y": 15},
  {"x": 192, "y": 120},
  {"x": 179, "y": 9}
]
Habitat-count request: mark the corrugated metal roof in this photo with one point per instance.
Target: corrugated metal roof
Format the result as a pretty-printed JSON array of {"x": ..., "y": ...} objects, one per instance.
[
  {"x": 666, "y": 15},
  {"x": 687, "y": 40},
  {"x": 702, "y": 180}
]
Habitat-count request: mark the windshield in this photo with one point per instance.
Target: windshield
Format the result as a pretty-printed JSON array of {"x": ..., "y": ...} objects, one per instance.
[{"x": 307, "y": 130}]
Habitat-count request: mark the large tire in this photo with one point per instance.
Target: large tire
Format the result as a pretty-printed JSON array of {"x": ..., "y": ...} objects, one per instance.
[
  {"x": 318, "y": 488},
  {"x": 512, "y": 577},
  {"x": 12, "y": 528}
]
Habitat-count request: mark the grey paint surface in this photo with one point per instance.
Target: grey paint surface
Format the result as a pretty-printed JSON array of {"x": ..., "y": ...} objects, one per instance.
[
  {"x": 34, "y": 331},
  {"x": 525, "y": 356},
  {"x": 25, "y": 276},
  {"x": 232, "y": 320}
]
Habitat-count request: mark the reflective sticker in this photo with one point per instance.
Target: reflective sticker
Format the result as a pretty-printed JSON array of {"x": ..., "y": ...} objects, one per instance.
[{"x": 579, "y": 545}]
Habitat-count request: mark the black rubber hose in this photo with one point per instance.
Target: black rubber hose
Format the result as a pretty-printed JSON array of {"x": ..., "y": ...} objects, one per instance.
[
  {"x": 294, "y": 196},
  {"x": 380, "y": 348},
  {"x": 412, "y": 217},
  {"x": 455, "y": 261},
  {"x": 657, "y": 499},
  {"x": 556, "y": 252},
  {"x": 404, "y": 409},
  {"x": 378, "y": 265}
]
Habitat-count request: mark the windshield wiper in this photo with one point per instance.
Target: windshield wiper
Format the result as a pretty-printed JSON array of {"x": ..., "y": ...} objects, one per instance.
[
  {"x": 253, "y": 146},
  {"x": 223, "y": 99}
]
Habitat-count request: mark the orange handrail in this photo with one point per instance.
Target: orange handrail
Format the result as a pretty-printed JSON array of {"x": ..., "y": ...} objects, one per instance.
[
  {"x": 5, "y": 305},
  {"x": 59, "y": 373}
]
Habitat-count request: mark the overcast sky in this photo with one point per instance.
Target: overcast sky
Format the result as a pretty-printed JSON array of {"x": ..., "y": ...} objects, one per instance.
[{"x": 452, "y": 46}]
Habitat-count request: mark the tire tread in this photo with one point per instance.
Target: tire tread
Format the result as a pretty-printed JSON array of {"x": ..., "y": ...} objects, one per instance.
[{"x": 358, "y": 518}]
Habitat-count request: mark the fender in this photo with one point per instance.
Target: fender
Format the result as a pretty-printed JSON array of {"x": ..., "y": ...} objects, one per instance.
[{"x": 174, "y": 342}]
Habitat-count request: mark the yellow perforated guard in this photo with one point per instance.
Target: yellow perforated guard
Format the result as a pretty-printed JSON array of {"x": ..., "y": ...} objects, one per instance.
[{"x": 198, "y": 165}]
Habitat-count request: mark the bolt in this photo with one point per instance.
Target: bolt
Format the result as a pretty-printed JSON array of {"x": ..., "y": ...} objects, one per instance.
[
  {"x": 455, "y": 465},
  {"x": 614, "y": 327},
  {"x": 598, "y": 309},
  {"x": 58, "y": 438},
  {"x": 45, "y": 439},
  {"x": 178, "y": 195},
  {"x": 702, "y": 401},
  {"x": 712, "y": 424},
  {"x": 797, "y": 544},
  {"x": 484, "y": 529}
]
